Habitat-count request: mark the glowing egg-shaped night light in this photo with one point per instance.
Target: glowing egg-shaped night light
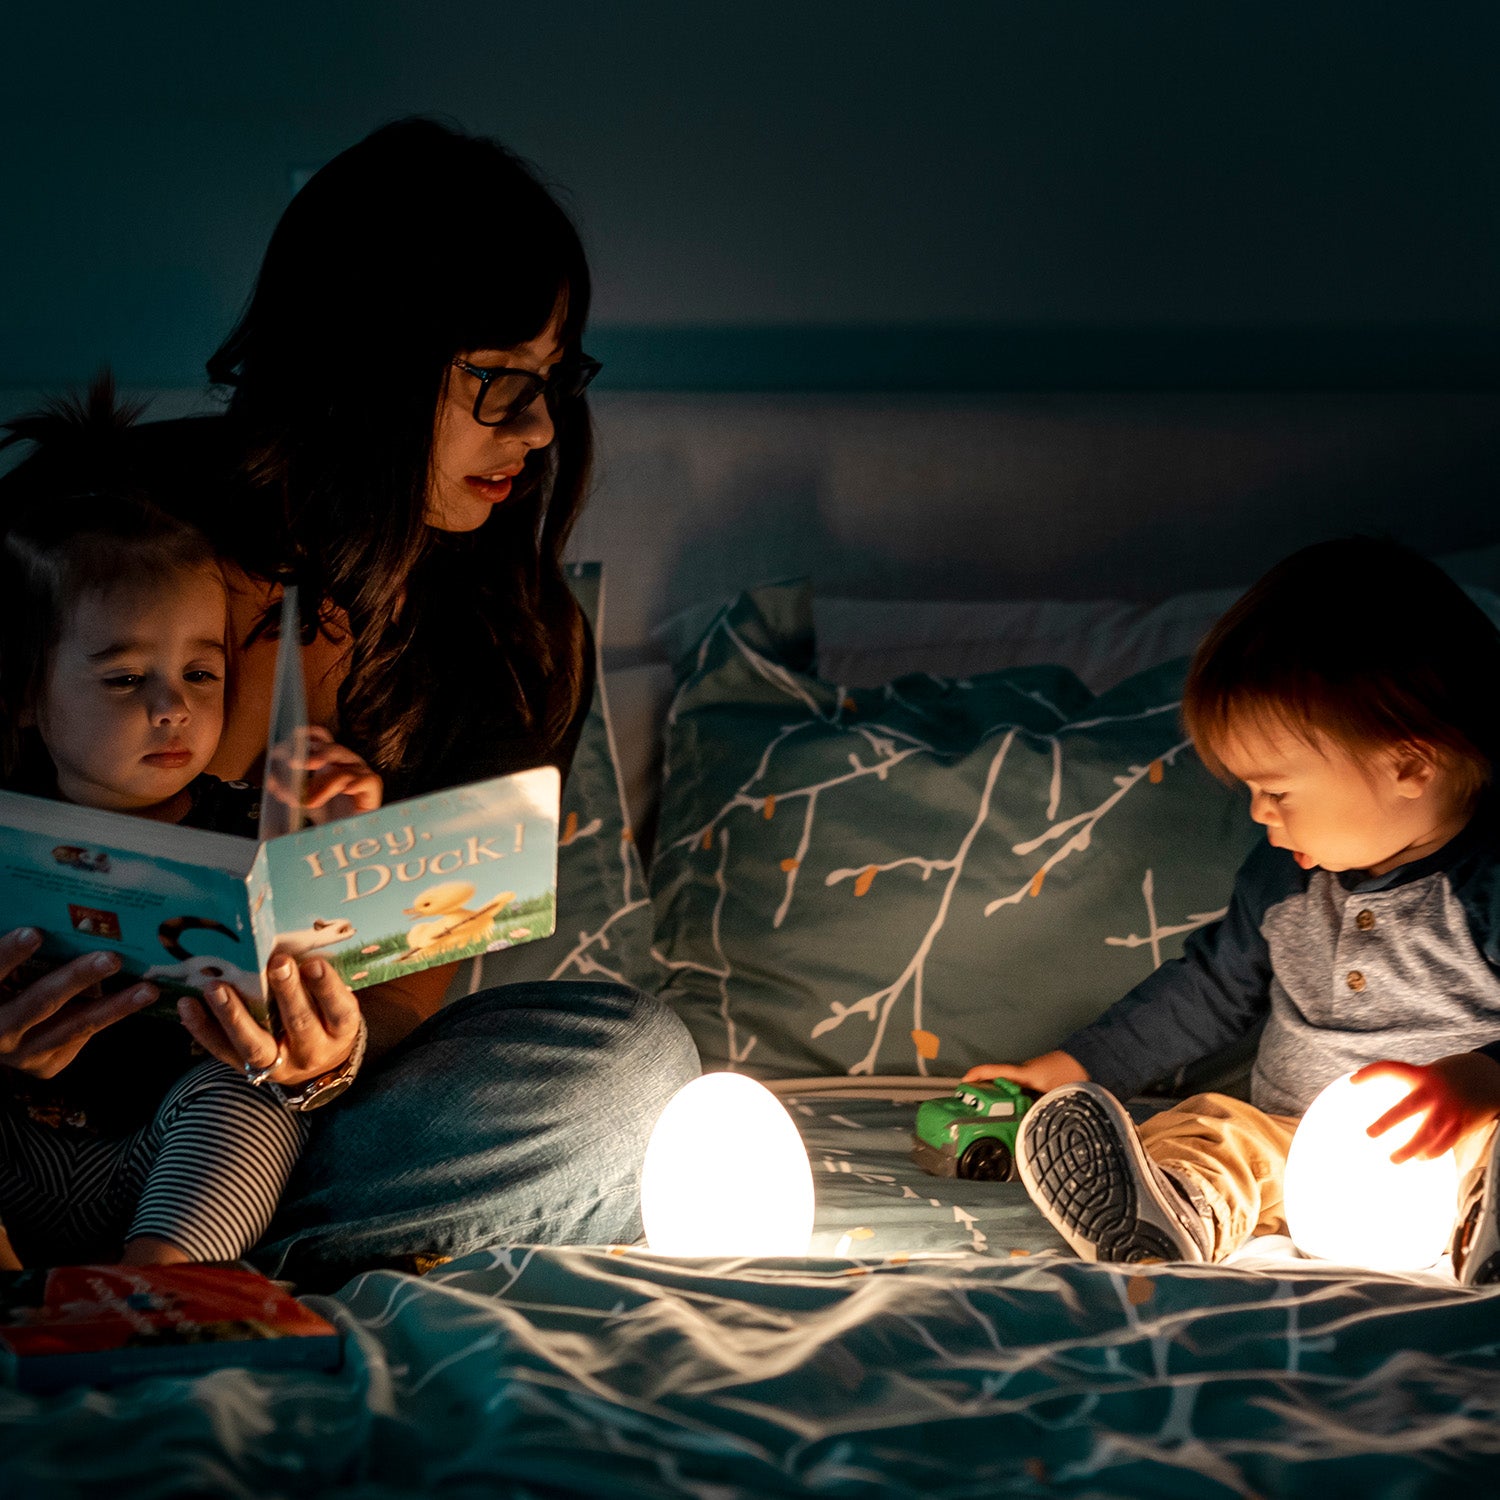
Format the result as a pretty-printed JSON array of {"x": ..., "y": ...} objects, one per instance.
[
  {"x": 726, "y": 1173},
  {"x": 1347, "y": 1201}
]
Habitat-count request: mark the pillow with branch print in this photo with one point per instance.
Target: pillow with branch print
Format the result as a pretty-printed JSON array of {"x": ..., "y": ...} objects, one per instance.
[{"x": 917, "y": 877}]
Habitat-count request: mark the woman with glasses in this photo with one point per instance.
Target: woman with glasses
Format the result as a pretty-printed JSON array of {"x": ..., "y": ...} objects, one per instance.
[{"x": 406, "y": 439}]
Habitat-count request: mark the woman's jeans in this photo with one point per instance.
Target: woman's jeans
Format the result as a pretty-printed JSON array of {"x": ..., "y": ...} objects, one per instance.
[{"x": 516, "y": 1115}]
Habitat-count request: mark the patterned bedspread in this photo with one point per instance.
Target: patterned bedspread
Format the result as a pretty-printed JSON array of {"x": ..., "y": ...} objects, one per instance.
[{"x": 913, "y": 1372}]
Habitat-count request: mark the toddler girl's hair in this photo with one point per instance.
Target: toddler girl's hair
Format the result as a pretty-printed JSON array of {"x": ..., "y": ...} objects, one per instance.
[
  {"x": 1361, "y": 642},
  {"x": 73, "y": 521}
]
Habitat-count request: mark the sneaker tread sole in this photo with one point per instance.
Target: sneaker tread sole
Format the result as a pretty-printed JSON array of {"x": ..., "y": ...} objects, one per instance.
[{"x": 1079, "y": 1168}]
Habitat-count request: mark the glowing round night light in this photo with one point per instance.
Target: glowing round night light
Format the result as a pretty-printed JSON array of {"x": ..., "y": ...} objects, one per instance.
[
  {"x": 1347, "y": 1201},
  {"x": 726, "y": 1173}
]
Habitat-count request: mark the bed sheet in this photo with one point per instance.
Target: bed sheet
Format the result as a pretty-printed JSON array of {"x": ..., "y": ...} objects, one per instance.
[
  {"x": 873, "y": 1200},
  {"x": 559, "y": 1372}
]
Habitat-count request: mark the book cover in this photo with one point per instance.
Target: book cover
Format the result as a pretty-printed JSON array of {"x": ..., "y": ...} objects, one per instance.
[
  {"x": 99, "y": 1325},
  {"x": 428, "y": 880}
]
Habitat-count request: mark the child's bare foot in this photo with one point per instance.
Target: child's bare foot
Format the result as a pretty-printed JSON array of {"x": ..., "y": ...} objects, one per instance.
[
  {"x": 146, "y": 1251},
  {"x": 9, "y": 1260}
]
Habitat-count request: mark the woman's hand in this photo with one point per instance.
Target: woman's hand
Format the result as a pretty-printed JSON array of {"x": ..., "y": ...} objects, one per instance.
[
  {"x": 339, "y": 783},
  {"x": 1049, "y": 1071},
  {"x": 44, "y": 1025},
  {"x": 318, "y": 1022},
  {"x": 1458, "y": 1094}
]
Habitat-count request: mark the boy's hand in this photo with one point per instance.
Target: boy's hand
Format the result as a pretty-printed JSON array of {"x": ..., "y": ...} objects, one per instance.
[
  {"x": 1458, "y": 1094},
  {"x": 1049, "y": 1071},
  {"x": 339, "y": 784}
]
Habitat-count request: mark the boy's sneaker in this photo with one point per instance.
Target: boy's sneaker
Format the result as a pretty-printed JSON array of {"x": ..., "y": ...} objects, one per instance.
[
  {"x": 1476, "y": 1243},
  {"x": 1085, "y": 1168}
]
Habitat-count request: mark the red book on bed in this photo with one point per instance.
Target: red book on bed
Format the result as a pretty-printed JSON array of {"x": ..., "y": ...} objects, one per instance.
[{"x": 98, "y": 1325}]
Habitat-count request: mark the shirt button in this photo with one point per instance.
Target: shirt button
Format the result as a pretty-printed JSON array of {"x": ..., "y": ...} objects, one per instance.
[
  {"x": 1356, "y": 980},
  {"x": 1365, "y": 921}
]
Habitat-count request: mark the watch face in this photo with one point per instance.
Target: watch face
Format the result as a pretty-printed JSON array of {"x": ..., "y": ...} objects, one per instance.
[{"x": 327, "y": 1093}]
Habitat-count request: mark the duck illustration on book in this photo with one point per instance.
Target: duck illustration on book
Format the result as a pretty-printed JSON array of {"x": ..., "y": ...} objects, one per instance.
[{"x": 454, "y": 925}]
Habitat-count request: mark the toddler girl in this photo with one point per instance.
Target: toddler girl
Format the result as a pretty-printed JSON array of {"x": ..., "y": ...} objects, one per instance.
[{"x": 113, "y": 659}]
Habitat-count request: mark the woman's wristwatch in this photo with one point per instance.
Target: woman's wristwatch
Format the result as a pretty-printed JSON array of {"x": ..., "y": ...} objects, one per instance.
[{"x": 314, "y": 1093}]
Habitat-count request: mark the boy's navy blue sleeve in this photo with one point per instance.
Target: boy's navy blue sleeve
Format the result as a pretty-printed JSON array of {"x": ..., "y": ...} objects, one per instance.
[
  {"x": 1478, "y": 889},
  {"x": 1198, "y": 1004}
]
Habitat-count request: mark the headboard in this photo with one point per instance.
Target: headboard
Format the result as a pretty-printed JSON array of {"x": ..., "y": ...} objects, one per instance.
[
  {"x": 1065, "y": 496},
  {"x": 1076, "y": 496}
]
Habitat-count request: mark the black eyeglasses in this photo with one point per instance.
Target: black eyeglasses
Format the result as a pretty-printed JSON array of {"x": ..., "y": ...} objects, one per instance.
[{"x": 504, "y": 394}]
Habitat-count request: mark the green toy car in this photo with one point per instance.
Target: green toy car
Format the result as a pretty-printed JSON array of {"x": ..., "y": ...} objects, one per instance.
[{"x": 972, "y": 1131}]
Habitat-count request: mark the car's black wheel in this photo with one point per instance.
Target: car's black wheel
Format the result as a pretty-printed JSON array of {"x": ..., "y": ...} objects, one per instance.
[{"x": 987, "y": 1160}]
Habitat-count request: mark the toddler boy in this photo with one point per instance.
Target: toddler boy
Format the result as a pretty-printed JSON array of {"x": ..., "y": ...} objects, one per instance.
[{"x": 1355, "y": 690}]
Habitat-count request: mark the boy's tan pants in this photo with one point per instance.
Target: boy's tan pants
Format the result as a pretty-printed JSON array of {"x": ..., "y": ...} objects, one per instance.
[{"x": 1232, "y": 1158}]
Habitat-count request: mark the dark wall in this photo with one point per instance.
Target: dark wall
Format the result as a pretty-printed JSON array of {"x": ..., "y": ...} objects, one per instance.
[{"x": 1075, "y": 192}]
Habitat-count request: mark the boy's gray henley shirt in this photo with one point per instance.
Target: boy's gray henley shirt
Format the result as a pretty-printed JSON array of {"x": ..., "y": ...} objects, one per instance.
[{"x": 1344, "y": 969}]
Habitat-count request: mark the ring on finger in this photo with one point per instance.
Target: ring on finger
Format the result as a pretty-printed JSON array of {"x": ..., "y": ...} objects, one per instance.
[{"x": 258, "y": 1076}]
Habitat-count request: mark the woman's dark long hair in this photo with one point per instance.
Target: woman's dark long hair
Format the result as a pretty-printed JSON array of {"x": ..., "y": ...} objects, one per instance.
[{"x": 413, "y": 246}]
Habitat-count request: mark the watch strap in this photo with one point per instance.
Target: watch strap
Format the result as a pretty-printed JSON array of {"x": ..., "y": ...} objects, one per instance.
[{"x": 311, "y": 1093}]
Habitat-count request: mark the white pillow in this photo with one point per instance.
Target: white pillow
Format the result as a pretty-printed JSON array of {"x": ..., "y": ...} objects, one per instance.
[{"x": 865, "y": 642}]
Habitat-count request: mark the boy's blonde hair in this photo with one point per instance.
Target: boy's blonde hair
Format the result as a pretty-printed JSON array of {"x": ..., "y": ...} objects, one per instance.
[{"x": 1359, "y": 642}]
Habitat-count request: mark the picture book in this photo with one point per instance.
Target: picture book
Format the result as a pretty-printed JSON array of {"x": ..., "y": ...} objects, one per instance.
[
  {"x": 100, "y": 1325},
  {"x": 428, "y": 880},
  {"x": 419, "y": 882}
]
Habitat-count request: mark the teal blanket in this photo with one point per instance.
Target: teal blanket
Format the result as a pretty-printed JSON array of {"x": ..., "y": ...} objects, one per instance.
[
  {"x": 962, "y": 1354},
  {"x": 584, "y": 1372}
]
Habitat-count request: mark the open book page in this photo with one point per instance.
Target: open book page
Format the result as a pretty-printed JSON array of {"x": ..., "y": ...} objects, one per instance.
[
  {"x": 281, "y": 809},
  {"x": 429, "y": 880},
  {"x": 174, "y": 903}
]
